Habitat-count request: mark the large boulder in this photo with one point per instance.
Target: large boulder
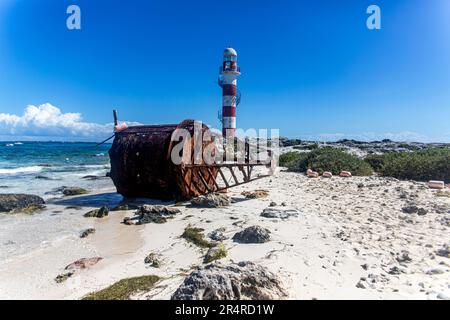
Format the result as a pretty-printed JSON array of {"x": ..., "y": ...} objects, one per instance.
[
  {"x": 235, "y": 281},
  {"x": 18, "y": 202},
  {"x": 253, "y": 234}
]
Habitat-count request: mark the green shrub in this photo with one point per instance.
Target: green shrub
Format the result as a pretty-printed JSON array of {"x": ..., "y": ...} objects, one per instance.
[
  {"x": 423, "y": 165},
  {"x": 287, "y": 158},
  {"x": 376, "y": 161},
  {"x": 329, "y": 159},
  {"x": 195, "y": 236}
]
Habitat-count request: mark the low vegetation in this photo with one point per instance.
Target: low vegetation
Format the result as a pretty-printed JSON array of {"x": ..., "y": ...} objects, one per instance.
[
  {"x": 422, "y": 165},
  {"x": 124, "y": 289},
  {"x": 326, "y": 159},
  {"x": 286, "y": 159},
  {"x": 215, "y": 253},
  {"x": 419, "y": 165},
  {"x": 196, "y": 236},
  {"x": 376, "y": 161}
]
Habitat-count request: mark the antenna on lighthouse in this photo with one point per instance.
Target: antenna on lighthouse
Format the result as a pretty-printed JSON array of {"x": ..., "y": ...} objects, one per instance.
[{"x": 229, "y": 72}]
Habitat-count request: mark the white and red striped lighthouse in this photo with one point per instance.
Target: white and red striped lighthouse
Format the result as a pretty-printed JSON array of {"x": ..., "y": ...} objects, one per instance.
[{"x": 230, "y": 99}]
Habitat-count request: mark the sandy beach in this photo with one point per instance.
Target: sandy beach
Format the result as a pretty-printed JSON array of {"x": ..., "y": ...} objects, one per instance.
[{"x": 350, "y": 240}]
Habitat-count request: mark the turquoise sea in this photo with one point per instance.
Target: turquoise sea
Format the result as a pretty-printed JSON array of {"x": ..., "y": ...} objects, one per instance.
[{"x": 41, "y": 167}]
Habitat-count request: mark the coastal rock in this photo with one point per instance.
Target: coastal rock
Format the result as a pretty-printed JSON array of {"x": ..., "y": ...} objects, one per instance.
[
  {"x": 345, "y": 174},
  {"x": 403, "y": 256},
  {"x": 253, "y": 234},
  {"x": 434, "y": 271},
  {"x": 444, "y": 252},
  {"x": 87, "y": 232},
  {"x": 42, "y": 177},
  {"x": 155, "y": 214},
  {"x": 327, "y": 174},
  {"x": 414, "y": 209},
  {"x": 63, "y": 277},
  {"x": 73, "y": 191},
  {"x": 83, "y": 263},
  {"x": 153, "y": 260},
  {"x": 120, "y": 207},
  {"x": 312, "y": 174},
  {"x": 436, "y": 184},
  {"x": 395, "y": 270},
  {"x": 212, "y": 200},
  {"x": 443, "y": 296},
  {"x": 97, "y": 213},
  {"x": 20, "y": 202},
  {"x": 125, "y": 207},
  {"x": 128, "y": 221},
  {"x": 217, "y": 235},
  {"x": 92, "y": 177},
  {"x": 279, "y": 214},
  {"x": 257, "y": 194},
  {"x": 150, "y": 214},
  {"x": 241, "y": 281}
]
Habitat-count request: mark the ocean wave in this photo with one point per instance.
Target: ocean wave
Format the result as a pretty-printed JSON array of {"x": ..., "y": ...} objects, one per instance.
[{"x": 20, "y": 170}]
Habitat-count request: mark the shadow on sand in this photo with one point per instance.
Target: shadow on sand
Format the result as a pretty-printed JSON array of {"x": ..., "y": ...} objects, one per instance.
[{"x": 109, "y": 199}]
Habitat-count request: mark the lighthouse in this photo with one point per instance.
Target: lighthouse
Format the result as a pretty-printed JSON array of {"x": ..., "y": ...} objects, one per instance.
[{"x": 229, "y": 72}]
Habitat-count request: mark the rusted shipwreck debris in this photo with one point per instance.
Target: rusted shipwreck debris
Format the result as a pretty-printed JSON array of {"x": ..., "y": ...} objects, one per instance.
[{"x": 141, "y": 165}]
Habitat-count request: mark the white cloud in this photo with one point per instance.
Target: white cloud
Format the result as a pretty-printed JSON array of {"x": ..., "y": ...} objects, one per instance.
[{"x": 49, "y": 122}]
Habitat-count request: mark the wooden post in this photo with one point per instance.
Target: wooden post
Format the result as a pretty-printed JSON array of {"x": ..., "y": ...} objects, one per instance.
[{"x": 115, "y": 117}]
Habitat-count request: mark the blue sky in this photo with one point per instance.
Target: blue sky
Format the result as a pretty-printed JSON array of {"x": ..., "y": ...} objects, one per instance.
[{"x": 310, "y": 68}]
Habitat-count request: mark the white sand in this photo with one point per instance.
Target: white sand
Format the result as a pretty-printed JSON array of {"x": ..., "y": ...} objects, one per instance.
[{"x": 318, "y": 255}]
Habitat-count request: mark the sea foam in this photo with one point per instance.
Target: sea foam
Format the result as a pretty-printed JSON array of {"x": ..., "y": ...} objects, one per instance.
[{"x": 20, "y": 170}]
